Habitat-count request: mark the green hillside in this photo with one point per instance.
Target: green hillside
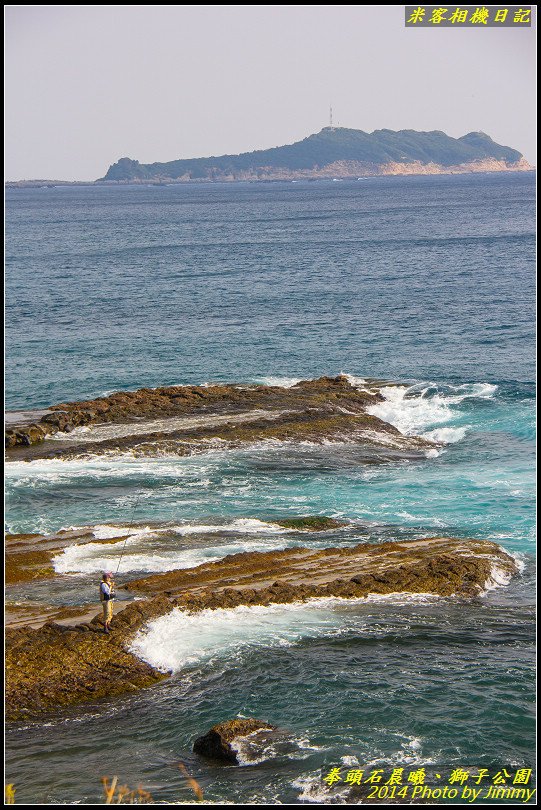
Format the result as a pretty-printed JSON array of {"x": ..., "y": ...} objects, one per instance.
[{"x": 328, "y": 146}]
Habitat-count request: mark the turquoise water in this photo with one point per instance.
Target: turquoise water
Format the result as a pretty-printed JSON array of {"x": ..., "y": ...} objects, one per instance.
[{"x": 425, "y": 282}]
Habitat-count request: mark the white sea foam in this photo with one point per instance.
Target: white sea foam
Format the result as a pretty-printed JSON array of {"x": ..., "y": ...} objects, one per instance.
[
  {"x": 410, "y": 413},
  {"x": 472, "y": 391},
  {"x": 149, "y": 550},
  {"x": 410, "y": 754},
  {"x": 357, "y": 382},
  {"x": 92, "y": 557},
  {"x": 180, "y": 639},
  {"x": 399, "y": 598},
  {"x": 520, "y": 561},
  {"x": 174, "y": 470},
  {"x": 499, "y": 577},
  {"x": 261, "y": 746},
  {"x": 107, "y": 531},
  {"x": 413, "y": 409},
  {"x": 249, "y": 752},
  {"x": 447, "y": 435},
  {"x": 279, "y": 382},
  {"x": 315, "y": 791},
  {"x": 349, "y": 761},
  {"x": 240, "y": 526}
]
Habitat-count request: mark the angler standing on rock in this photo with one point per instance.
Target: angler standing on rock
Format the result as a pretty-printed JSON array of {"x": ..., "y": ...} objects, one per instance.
[{"x": 107, "y": 595}]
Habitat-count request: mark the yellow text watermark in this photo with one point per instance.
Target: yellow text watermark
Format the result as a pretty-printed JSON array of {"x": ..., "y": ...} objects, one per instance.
[
  {"x": 464, "y": 785},
  {"x": 468, "y": 16}
]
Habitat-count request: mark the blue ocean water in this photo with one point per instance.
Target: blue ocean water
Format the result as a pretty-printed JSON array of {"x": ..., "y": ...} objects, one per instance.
[
  {"x": 427, "y": 282},
  {"x": 428, "y": 278}
]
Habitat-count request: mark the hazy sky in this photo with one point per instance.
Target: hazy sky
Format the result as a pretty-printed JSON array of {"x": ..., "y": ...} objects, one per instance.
[{"x": 86, "y": 85}]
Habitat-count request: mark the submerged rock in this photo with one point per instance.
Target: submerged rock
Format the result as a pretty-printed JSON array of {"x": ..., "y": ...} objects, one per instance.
[
  {"x": 218, "y": 742},
  {"x": 311, "y": 524}
]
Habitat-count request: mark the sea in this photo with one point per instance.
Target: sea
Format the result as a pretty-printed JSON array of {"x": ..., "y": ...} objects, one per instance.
[{"x": 426, "y": 283}]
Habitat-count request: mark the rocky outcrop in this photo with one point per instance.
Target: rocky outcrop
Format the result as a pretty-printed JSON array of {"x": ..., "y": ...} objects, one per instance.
[
  {"x": 58, "y": 666},
  {"x": 218, "y": 743},
  {"x": 437, "y": 565},
  {"x": 311, "y": 523},
  {"x": 62, "y": 664},
  {"x": 183, "y": 419},
  {"x": 28, "y": 557},
  {"x": 35, "y": 432}
]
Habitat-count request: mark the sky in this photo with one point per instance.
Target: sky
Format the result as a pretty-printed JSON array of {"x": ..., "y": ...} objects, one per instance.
[{"x": 87, "y": 85}]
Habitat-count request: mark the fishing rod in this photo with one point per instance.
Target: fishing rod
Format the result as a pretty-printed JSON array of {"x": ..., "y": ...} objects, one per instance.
[
  {"x": 108, "y": 613},
  {"x": 130, "y": 526}
]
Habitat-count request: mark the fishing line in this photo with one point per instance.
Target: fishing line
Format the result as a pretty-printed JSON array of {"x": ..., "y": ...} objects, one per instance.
[{"x": 130, "y": 526}]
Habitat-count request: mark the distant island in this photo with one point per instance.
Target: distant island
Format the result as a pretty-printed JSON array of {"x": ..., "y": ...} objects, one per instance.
[
  {"x": 337, "y": 152},
  {"x": 334, "y": 152}
]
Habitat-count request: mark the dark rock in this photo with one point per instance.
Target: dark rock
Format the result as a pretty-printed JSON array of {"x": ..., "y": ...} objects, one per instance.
[
  {"x": 11, "y": 438},
  {"x": 52, "y": 418},
  {"x": 311, "y": 524},
  {"x": 216, "y": 743}
]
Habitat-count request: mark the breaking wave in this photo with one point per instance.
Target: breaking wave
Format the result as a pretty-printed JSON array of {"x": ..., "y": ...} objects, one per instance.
[
  {"x": 421, "y": 409},
  {"x": 179, "y": 639},
  {"x": 162, "y": 549}
]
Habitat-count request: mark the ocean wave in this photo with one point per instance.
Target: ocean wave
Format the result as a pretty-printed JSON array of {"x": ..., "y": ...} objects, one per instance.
[
  {"x": 186, "y": 470},
  {"x": 471, "y": 391},
  {"x": 410, "y": 413},
  {"x": 357, "y": 382},
  {"x": 421, "y": 520},
  {"x": 179, "y": 639},
  {"x": 240, "y": 526},
  {"x": 279, "y": 382},
  {"x": 414, "y": 408},
  {"x": 261, "y": 746},
  {"x": 448, "y": 435},
  {"x": 410, "y": 754},
  {"x": 315, "y": 791},
  {"x": 108, "y": 531},
  {"x": 499, "y": 576},
  {"x": 153, "y": 552}
]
